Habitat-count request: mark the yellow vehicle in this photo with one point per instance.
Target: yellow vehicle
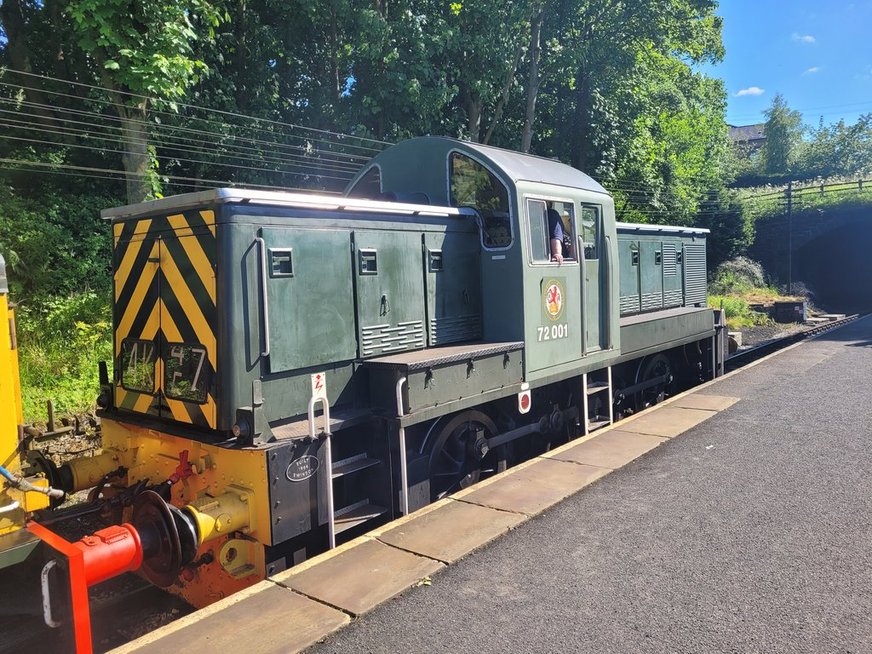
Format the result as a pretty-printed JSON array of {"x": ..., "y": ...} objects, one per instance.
[{"x": 19, "y": 495}]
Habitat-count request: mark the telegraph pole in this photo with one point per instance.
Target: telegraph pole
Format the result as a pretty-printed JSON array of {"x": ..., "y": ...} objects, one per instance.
[{"x": 789, "y": 193}]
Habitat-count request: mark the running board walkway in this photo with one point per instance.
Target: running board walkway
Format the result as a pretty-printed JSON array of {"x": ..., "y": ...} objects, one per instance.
[{"x": 292, "y": 610}]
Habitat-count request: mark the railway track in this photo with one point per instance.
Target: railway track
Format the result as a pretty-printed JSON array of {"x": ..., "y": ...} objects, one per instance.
[{"x": 744, "y": 357}]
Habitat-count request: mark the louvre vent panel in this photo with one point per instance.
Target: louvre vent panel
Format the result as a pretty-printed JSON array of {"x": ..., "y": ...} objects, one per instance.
[
  {"x": 672, "y": 298},
  {"x": 652, "y": 301},
  {"x": 455, "y": 329},
  {"x": 629, "y": 304},
  {"x": 695, "y": 291},
  {"x": 384, "y": 339},
  {"x": 670, "y": 267}
]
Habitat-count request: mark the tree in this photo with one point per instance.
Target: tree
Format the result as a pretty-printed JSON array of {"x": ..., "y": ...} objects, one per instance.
[
  {"x": 839, "y": 149},
  {"x": 142, "y": 53},
  {"x": 783, "y": 132}
]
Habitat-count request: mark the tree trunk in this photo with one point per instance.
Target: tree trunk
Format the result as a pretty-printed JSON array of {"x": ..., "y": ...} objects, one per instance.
[
  {"x": 504, "y": 95},
  {"x": 136, "y": 160},
  {"x": 532, "y": 79},
  {"x": 473, "y": 114}
]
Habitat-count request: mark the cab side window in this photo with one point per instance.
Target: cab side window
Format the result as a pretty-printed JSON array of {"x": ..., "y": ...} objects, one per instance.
[
  {"x": 551, "y": 221},
  {"x": 369, "y": 186},
  {"x": 590, "y": 230},
  {"x": 473, "y": 185}
]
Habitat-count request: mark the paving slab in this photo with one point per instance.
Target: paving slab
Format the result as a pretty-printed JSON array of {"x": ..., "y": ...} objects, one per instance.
[
  {"x": 267, "y": 619},
  {"x": 360, "y": 578},
  {"x": 706, "y": 402},
  {"x": 611, "y": 449},
  {"x": 452, "y": 531},
  {"x": 667, "y": 421},
  {"x": 534, "y": 488}
]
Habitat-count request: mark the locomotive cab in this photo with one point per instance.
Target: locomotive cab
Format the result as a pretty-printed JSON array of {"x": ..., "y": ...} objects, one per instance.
[{"x": 560, "y": 310}]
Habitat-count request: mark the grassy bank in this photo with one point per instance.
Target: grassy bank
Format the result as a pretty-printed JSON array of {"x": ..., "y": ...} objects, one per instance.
[
  {"x": 61, "y": 341},
  {"x": 736, "y": 287}
]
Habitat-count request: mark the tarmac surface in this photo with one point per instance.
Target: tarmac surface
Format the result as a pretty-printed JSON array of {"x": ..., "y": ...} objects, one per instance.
[{"x": 751, "y": 532}]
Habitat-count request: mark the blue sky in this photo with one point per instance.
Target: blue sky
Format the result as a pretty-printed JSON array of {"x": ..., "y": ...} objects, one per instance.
[{"x": 818, "y": 55}]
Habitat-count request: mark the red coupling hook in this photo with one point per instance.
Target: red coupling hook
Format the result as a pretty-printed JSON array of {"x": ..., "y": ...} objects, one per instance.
[{"x": 183, "y": 470}]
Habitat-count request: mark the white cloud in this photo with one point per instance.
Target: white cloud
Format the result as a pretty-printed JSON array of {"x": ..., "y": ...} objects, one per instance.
[
  {"x": 813, "y": 70},
  {"x": 803, "y": 38},
  {"x": 751, "y": 90}
]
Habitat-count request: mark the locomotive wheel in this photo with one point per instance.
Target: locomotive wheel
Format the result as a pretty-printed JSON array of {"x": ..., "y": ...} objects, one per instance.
[
  {"x": 458, "y": 452},
  {"x": 656, "y": 366}
]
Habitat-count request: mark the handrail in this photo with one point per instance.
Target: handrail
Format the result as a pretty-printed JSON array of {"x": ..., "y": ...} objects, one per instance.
[
  {"x": 607, "y": 296},
  {"x": 328, "y": 456},
  {"x": 582, "y": 260},
  {"x": 46, "y": 596},
  {"x": 404, "y": 468},
  {"x": 265, "y": 306}
]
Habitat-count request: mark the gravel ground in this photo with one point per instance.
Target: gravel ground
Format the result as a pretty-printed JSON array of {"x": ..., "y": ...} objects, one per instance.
[{"x": 753, "y": 336}]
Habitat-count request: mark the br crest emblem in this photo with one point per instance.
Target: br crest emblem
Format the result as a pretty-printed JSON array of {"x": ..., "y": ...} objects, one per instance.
[{"x": 554, "y": 299}]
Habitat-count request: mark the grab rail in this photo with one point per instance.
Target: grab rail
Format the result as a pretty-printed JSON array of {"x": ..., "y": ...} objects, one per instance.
[{"x": 265, "y": 306}]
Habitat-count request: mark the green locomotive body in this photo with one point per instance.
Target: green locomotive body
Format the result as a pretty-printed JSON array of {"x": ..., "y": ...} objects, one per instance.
[{"x": 328, "y": 363}]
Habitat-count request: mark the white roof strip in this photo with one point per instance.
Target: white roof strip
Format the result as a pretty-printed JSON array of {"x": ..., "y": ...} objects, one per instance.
[
  {"x": 661, "y": 229},
  {"x": 276, "y": 198}
]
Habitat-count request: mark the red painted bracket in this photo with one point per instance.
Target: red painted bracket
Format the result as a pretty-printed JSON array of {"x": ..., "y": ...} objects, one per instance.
[{"x": 78, "y": 584}]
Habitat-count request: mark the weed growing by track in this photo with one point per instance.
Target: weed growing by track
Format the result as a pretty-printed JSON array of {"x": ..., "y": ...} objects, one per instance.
[{"x": 61, "y": 341}]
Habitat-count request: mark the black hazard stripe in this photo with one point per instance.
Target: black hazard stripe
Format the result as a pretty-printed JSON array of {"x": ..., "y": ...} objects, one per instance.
[{"x": 192, "y": 277}]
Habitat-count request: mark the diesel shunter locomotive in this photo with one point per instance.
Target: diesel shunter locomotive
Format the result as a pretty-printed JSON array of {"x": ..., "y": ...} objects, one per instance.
[{"x": 291, "y": 370}]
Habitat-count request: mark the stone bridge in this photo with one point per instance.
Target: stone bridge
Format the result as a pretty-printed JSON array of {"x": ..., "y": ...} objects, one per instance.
[{"x": 832, "y": 254}]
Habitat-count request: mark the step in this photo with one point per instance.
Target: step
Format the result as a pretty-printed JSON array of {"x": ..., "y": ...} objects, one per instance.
[
  {"x": 349, "y": 517},
  {"x": 597, "y": 387},
  {"x": 353, "y": 464}
]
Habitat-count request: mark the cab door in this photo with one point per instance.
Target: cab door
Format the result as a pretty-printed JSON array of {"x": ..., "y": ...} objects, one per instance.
[
  {"x": 187, "y": 361},
  {"x": 592, "y": 278},
  {"x": 136, "y": 315},
  {"x": 555, "y": 299}
]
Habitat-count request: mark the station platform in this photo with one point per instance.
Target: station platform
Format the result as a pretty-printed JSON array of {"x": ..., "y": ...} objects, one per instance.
[{"x": 734, "y": 517}]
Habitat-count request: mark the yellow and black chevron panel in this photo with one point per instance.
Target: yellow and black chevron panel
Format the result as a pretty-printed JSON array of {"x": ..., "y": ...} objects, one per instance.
[{"x": 165, "y": 316}]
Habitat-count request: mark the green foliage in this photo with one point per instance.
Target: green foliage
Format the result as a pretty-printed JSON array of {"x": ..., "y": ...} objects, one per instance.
[
  {"x": 821, "y": 195},
  {"x": 739, "y": 275},
  {"x": 60, "y": 342},
  {"x": 838, "y": 149},
  {"x": 783, "y": 132},
  {"x": 829, "y": 151},
  {"x": 617, "y": 92},
  {"x": 54, "y": 244},
  {"x": 738, "y": 313},
  {"x": 734, "y": 285},
  {"x": 144, "y": 47}
]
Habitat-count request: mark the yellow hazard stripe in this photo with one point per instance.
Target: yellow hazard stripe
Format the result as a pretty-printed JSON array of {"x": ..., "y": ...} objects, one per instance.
[
  {"x": 123, "y": 271},
  {"x": 139, "y": 292},
  {"x": 195, "y": 253},
  {"x": 180, "y": 225},
  {"x": 209, "y": 218}
]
